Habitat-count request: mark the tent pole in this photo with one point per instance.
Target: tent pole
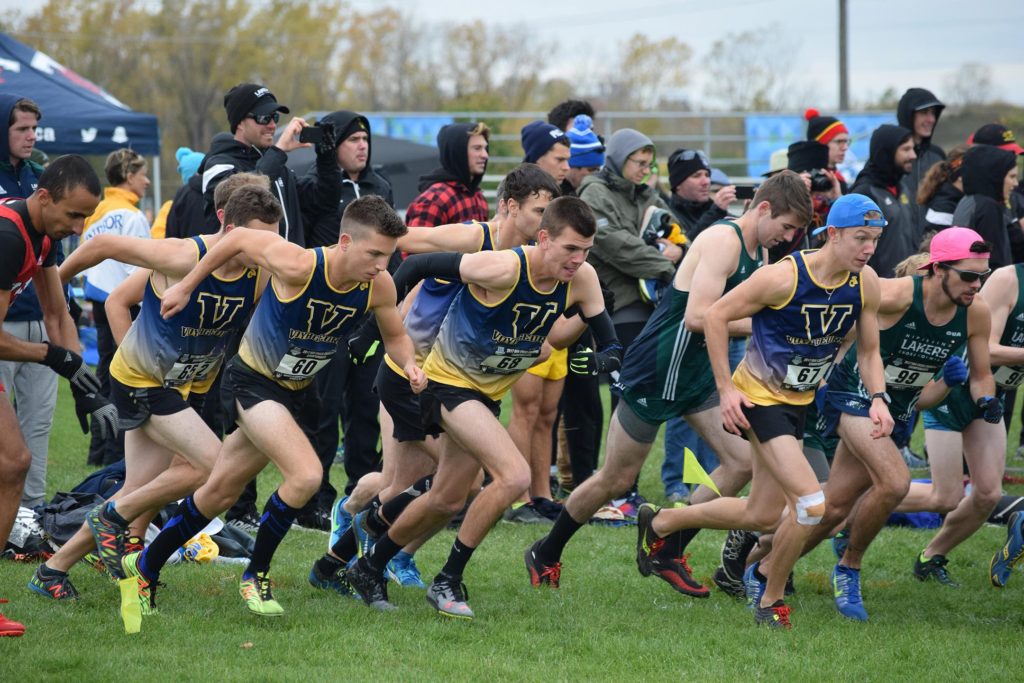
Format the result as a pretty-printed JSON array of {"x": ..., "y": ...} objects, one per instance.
[{"x": 156, "y": 185}]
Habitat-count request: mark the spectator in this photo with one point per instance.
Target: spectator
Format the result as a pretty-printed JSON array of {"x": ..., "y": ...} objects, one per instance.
[
  {"x": 34, "y": 386},
  {"x": 1000, "y": 136},
  {"x": 341, "y": 385},
  {"x": 689, "y": 174},
  {"x": 918, "y": 111},
  {"x": 253, "y": 113},
  {"x": 586, "y": 154},
  {"x": 548, "y": 147},
  {"x": 990, "y": 175},
  {"x": 830, "y": 131},
  {"x": 117, "y": 214},
  {"x": 891, "y": 157},
  {"x": 187, "y": 217},
  {"x": 564, "y": 114},
  {"x": 810, "y": 159},
  {"x": 619, "y": 198},
  {"x": 451, "y": 193},
  {"x": 941, "y": 190},
  {"x": 188, "y": 164}
]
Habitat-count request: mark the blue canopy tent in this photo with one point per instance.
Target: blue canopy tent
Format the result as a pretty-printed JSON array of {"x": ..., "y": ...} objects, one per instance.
[{"x": 79, "y": 117}]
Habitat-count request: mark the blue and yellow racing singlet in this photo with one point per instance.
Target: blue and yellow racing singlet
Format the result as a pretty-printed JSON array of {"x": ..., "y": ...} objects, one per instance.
[
  {"x": 187, "y": 351},
  {"x": 290, "y": 340},
  {"x": 793, "y": 345},
  {"x": 487, "y": 346}
]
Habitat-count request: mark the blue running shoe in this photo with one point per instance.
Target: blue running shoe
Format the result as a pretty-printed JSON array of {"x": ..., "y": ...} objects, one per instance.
[
  {"x": 364, "y": 539},
  {"x": 340, "y": 521},
  {"x": 753, "y": 586},
  {"x": 1010, "y": 554},
  {"x": 336, "y": 582},
  {"x": 846, "y": 587},
  {"x": 402, "y": 570},
  {"x": 839, "y": 543}
]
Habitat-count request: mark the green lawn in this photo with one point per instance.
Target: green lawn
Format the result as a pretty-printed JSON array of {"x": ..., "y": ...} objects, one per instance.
[{"x": 605, "y": 623}]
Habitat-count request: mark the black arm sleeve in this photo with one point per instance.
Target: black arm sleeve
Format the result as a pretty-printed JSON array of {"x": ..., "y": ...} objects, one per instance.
[
  {"x": 603, "y": 329},
  {"x": 444, "y": 265}
]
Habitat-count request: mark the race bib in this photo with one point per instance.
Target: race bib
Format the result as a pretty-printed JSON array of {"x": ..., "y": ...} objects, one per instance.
[
  {"x": 1009, "y": 376},
  {"x": 804, "y": 374},
  {"x": 188, "y": 368},
  {"x": 499, "y": 364},
  {"x": 300, "y": 364},
  {"x": 904, "y": 378}
]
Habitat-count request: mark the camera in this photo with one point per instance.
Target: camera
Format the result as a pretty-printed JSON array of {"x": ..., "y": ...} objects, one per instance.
[{"x": 820, "y": 182}]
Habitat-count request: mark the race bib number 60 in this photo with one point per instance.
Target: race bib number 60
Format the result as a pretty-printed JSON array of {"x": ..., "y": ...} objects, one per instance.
[{"x": 300, "y": 364}]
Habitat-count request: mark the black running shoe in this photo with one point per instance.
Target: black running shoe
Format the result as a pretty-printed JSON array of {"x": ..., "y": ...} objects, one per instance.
[
  {"x": 55, "y": 585},
  {"x": 370, "y": 585},
  {"x": 773, "y": 616},
  {"x": 730, "y": 585},
  {"x": 933, "y": 568},
  {"x": 448, "y": 596},
  {"x": 676, "y": 572},
  {"x": 110, "y": 538},
  {"x": 738, "y": 544},
  {"x": 541, "y": 573},
  {"x": 648, "y": 543}
]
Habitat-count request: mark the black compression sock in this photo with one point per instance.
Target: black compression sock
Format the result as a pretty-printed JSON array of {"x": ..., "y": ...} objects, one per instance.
[
  {"x": 274, "y": 524},
  {"x": 389, "y": 511},
  {"x": 328, "y": 565},
  {"x": 458, "y": 558},
  {"x": 381, "y": 553},
  {"x": 185, "y": 524},
  {"x": 345, "y": 549},
  {"x": 550, "y": 550}
]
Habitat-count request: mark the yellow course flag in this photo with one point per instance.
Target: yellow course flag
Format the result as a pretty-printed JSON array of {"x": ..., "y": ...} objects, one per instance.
[
  {"x": 131, "y": 612},
  {"x": 693, "y": 473}
]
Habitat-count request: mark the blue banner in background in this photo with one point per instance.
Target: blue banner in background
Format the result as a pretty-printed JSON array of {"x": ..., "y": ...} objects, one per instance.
[{"x": 766, "y": 134}]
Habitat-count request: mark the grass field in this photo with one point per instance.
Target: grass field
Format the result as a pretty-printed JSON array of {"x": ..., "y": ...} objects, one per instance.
[{"x": 606, "y": 622}]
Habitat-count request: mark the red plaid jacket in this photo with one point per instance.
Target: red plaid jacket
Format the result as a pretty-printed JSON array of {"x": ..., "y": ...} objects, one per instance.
[{"x": 445, "y": 203}]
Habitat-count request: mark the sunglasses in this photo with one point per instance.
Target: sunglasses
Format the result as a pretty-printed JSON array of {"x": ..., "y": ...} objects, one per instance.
[
  {"x": 265, "y": 119},
  {"x": 691, "y": 154},
  {"x": 967, "y": 275}
]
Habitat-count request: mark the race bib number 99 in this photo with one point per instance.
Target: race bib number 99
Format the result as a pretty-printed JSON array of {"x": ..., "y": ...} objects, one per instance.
[
  {"x": 806, "y": 373},
  {"x": 300, "y": 364},
  {"x": 1009, "y": 376},
  {"x": 188, "y": 368},
  {"x": 905, "y": 378}
]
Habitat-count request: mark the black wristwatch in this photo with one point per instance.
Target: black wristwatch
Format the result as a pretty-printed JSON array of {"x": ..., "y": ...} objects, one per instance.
[{"x": 884, "y": 395}]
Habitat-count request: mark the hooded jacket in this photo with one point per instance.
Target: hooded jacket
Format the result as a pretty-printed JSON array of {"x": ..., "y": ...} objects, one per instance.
[
  {"x": 229, "y": 156},
  {"x": 928, "y": 153},
  {"x": 881, "y": 181},
  {"x": 326, "y": 190},
  {"x": 983, "y": 207},
  {"x": 19, "y": 182},
  {"x": 188, "y": 217},
  {"x": 449, "y": 193},
  {"x": 939, "y": 211},
  {"x": 620, "y": 255},
  {"x": 694, "y": 217}
]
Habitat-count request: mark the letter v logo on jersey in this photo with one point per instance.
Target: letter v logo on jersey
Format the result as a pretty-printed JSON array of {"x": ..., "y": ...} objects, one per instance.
[
  {"x": 216, "y": 312},
  {"x": 823, "y": 319},
  {"x": 327, "y": 318}
]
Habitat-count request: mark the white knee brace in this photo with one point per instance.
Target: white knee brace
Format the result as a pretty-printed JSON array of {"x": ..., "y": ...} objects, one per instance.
[{"x": 808, "y": 501}]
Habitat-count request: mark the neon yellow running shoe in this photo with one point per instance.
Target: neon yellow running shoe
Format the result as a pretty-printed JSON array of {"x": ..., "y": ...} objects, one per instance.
[
  {"x": 146, "y": 588},
  {"x": 257, "y": 595}
]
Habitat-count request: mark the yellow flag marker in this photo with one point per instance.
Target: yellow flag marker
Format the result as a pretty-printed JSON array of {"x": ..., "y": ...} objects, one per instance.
[
  {"x": 131, "y": 612},
  {"x": 693, "y": 473}
]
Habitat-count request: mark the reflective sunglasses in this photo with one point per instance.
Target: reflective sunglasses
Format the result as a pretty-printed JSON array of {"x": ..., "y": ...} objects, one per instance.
[
  {"x": 690, "y": 154},
  {"x": 967, "y": 275},
  {"x": 265, "y": 119}
]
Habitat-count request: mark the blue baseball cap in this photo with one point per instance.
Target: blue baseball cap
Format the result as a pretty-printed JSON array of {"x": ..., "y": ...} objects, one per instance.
[{"x": 850, "y": 211}]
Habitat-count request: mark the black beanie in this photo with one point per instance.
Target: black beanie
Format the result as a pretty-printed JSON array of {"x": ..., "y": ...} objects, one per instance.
[
  {"x": 823, "y": 128},
  {"x": 683, "y": 163},
  {"x": 807, "y": 155}
]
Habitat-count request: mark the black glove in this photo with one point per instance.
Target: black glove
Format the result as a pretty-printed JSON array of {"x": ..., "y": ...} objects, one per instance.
[
  {"x": 103, "y": 412},
  {"x": 991, "y": 409},
  {"x": 364, "y": 343},
  {"x": 328, "y": 143},
  {"x": 586, "y": 361},
  {"x": 69, "y": 364}
]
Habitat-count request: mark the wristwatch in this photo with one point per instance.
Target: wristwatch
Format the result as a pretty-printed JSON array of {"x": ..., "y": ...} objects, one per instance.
[{"x": 884, "y": 395}]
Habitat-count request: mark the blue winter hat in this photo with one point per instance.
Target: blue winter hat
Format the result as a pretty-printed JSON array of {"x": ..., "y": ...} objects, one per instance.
[
  {"x": 538, "y": 137},
  {"x": 586, "y": 148},
  {"x": 188, "y": 162}
]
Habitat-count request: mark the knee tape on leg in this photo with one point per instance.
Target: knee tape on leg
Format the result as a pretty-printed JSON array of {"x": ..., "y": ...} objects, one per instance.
[{"x": 803, "y": 503}]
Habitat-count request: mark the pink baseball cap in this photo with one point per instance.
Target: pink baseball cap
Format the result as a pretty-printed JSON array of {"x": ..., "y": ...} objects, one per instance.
[{"x": 953, "y": 244}]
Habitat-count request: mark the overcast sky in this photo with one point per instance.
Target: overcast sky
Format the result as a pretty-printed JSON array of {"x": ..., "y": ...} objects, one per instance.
[{"x": 898, "y": 43}]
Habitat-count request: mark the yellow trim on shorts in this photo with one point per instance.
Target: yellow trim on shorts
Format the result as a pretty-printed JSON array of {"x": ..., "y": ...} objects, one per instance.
[{"x": 556, "y": 366}]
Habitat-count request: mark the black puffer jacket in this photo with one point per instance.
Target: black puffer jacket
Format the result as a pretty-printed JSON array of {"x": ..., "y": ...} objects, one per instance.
[
  {"x": 326, "y": 190},
  {"x": 983, "y": 207}
]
